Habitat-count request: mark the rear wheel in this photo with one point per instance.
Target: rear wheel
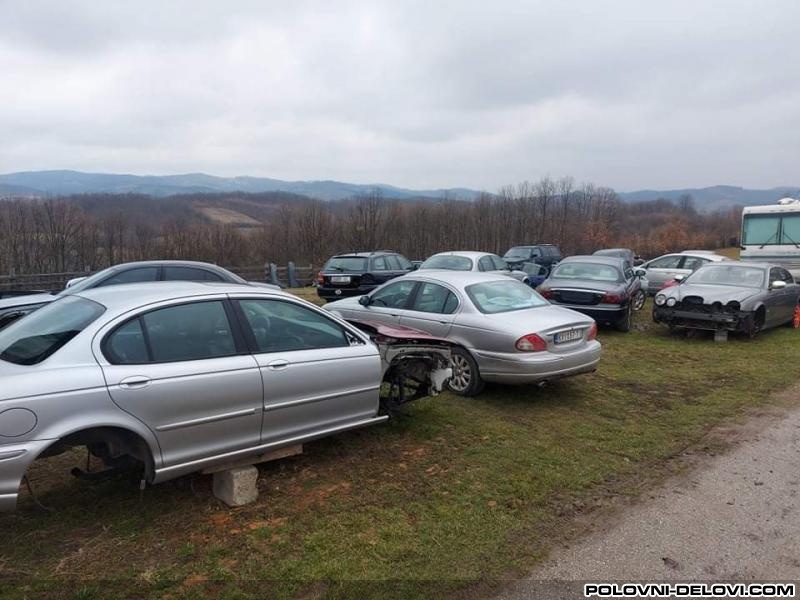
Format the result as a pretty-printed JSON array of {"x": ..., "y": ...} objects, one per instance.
[
  {"x": 625, "y": 323},
  {"x": 639, "y": 299},
  {"x": 466, "y": 380}
]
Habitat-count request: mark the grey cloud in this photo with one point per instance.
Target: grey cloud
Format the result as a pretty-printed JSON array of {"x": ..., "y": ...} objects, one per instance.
[{"x": 420, "y": 94}]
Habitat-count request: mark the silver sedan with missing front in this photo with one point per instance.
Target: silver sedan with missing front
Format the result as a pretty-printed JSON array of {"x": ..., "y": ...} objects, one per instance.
[{"x": 505, "y": 332}]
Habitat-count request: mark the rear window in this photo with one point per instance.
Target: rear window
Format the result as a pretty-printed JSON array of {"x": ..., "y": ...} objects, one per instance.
[
  {"x": 347, "y": 263},
  {"x": 448, "y": 262},
  {"x": 503, "y": 296},
  {"x": 587, "y": 271},
  {"x": 42, "y": 333}
]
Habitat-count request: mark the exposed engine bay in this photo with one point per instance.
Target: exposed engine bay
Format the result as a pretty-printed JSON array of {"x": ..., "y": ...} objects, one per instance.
[{"x": 415, "y": 364}]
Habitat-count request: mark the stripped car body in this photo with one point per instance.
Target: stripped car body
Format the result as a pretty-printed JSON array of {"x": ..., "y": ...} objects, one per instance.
[
  {"x": 729, "y": 296},
  {"x": 415, "y": 364},
  {"x": 177, "y": 377}
]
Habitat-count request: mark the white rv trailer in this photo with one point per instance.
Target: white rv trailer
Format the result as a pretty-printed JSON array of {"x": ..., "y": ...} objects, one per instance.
[{"x": 771, "y": 233}]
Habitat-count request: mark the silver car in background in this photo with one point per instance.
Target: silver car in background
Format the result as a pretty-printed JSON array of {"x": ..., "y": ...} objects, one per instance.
[
  {"x": 503, "y": 330},
  {"x": 179, "y": 376},
  {"x": 477, "y": 262},
  {"x": 664, "y": 268}
]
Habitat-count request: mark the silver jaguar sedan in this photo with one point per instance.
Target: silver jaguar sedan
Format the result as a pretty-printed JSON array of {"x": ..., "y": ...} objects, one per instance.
[
  {"x": 503, "y": 330},
  {"x": 181, "y": 376}
]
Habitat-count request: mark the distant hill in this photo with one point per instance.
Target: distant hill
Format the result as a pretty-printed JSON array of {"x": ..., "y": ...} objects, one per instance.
[
  {"x": 76, "y": 182},
  {"x": 716, "y": 197}
]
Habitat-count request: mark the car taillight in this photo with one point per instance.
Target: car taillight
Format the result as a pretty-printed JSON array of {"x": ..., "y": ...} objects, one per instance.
[
  {"x": 320, "y": 278},
  {"x": 547, "y": 294},
  {"x": 611, "y": 299},
  {"x": 592, "y": 332},
  {"x": 531, "y": 343}
]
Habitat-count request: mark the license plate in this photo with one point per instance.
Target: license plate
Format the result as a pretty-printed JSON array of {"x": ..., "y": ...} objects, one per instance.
[
  {"x": 340, "y": 279},
  {"x": 568, "y": 336}
]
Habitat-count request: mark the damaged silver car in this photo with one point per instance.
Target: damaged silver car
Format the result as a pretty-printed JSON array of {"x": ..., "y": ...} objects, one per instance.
[
  {"x": 176, "y": 377},
  {"x": 729, "y": 296}
]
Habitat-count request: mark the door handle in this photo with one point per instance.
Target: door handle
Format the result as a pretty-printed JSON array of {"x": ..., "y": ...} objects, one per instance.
[
  {"x": 278, "y": 365},
  {"x": 135, "y": 382}
]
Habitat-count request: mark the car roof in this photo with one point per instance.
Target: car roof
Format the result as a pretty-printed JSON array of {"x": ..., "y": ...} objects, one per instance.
[
  {"x": 464, "y": 253},
  {"x": 26, "y": 300},
  {"x": 364, "y": 254},
  {"x": 612, "y": 261},
  {"x": 533, "y": 245},
  {"x": 129, "y": 296},
  {"x": 598, "y": 252},
  {"x": 701, "y": 254},
  {"x": 455, "y": 278},
  {"x": 167, "y": 263},
  {"x": 740, "y": 263}
]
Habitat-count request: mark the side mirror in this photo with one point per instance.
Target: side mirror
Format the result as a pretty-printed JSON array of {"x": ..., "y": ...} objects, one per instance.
[
  {"x": 364, "y": 300},
  {"x": 679, "y": 277},
  {"x": 640, "y": 272},
  {"x": 777, "y": 285}
]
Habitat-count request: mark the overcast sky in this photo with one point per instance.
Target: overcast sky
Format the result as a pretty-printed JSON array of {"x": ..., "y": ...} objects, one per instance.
[{"x": 631, "y": 94}]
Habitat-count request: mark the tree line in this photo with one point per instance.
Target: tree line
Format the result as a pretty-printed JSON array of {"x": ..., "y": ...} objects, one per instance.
[{"x": 73, "y": 234}]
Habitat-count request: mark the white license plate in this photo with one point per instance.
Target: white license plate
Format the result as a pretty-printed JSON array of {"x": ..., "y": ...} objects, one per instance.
[
  {"x": 340, "y": 279},
  {"x": 568, "y": 336}
]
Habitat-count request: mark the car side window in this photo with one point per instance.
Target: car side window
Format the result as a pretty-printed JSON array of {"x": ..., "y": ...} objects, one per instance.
[
  {"x": 536, "y": 253},
  {"x": 775, "y": 275},
  {"x": 281, "y": 326},
  {"x": 189, "y": 332},
  {"x": 394, "y": 295},
  {"x": 189, "y": 274},
  {"x": 393, "y": 263},
  {"x": 485, "y": 264},
  {"x": 665, "y": 262},
  {"x": 379, "y": 264},
  {"x": 499, "y": 263},
  {"x": 140, "y": 275},
  {"x": 787, "y": 277},
  {"x": 405, "y": 264},
  {"x": 434, "y": 298},
  {"x": 628, "y": 273},
  {"x": 127, "y": 345}
]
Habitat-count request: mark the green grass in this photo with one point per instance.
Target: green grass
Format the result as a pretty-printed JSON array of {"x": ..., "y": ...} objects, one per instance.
[{"x": 459, "y": 494}]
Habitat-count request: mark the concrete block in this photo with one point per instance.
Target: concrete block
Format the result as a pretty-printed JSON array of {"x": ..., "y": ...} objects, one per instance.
[
  {"x": 237, "y": 487},
  {"x": 720, "y": 335}
]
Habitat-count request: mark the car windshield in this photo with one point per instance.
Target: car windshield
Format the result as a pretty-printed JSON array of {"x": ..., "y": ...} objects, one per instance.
[
  {"x": 346, "y": 263},
  {"x": 588, "y": 271},
  {"x": 39, "y": 335},
  {"x": 733, "y": 275},
  {"x": 449, "y": 262},
  {"x": 503, "y": 296},
  {"x": 518, "y": 253}
]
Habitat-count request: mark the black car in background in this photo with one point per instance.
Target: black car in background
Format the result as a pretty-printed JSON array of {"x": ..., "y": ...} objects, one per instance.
[
  {"x": 358, "y": 273},
  {"x": 603, "y": 287},
  {"x": 545, "y": 255}
]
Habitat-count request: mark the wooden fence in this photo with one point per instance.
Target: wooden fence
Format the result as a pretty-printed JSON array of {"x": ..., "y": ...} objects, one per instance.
[{"x": 55, "y": 282}]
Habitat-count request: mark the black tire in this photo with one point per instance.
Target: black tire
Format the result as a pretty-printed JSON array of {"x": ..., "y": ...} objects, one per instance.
[
  {"x": 626, "y": 322},
  {"x": 756, "y": 323},
  {"x": 466, "y": 379},
  {"x": 638, "y": 300}
]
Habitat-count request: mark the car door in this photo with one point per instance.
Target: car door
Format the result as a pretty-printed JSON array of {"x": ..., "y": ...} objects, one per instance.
[
  {"x": 780, "y": 302},
  {"x": 387, "y": 302},
  {"x": 632, "y": 283},
  {"x": 432, "y": 309},
  {"x": 381, "y": 270},
  {"x": 184, "y": 371},
  {"x": 316, "y": 373},
  {"x": 662, "y": 269}
]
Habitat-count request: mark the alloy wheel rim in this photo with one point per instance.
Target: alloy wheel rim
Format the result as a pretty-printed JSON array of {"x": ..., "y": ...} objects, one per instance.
[{"x": 462, "y": 374}]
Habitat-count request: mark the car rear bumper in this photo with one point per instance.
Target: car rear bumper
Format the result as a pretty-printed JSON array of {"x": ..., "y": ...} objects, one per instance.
[
  {"x": 601, "y": 314},
  {"x": 327, "y": 292},
  {"x": 521, "y": 368},
  {"x": 14, "y": 462}
]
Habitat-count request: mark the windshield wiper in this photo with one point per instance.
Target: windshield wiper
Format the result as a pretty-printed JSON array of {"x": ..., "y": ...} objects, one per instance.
[
  {"x": 761, "y": 247},
  {"x": 791, "y": 240}
]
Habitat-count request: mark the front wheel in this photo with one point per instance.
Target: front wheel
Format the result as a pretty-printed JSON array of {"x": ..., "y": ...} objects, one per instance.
[{"x": 466, "y": 380}]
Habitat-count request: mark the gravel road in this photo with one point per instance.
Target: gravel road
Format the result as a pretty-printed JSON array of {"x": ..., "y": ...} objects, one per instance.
[{"x": 735, "y": 517}]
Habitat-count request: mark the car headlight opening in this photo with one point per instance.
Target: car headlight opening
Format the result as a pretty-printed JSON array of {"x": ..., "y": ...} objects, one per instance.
[
  {"x": 660, "y": 299},
  {"x": 671, "y": 301}
]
